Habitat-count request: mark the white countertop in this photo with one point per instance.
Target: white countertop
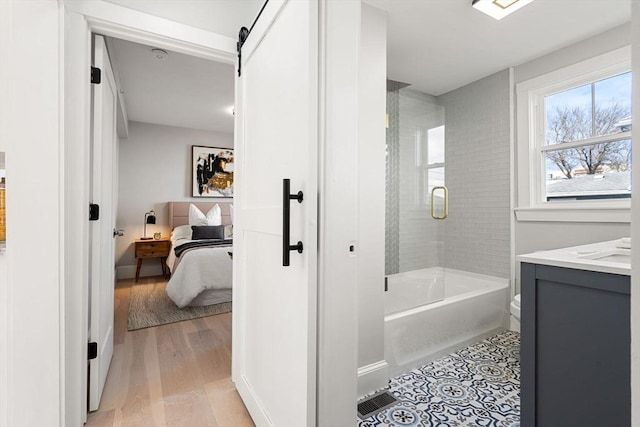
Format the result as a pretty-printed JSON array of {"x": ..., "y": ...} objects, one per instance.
[{"x": 578, "y": 257}]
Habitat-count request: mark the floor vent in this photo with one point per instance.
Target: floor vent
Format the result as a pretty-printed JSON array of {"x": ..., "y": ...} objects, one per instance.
[{"x": 376, "y": 403}]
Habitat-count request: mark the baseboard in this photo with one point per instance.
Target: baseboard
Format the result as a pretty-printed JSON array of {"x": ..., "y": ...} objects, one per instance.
[
  {"x": 129, "y": 271},
  {"x": 372, "y": 378},
  {"x": 126, "y": 272}
]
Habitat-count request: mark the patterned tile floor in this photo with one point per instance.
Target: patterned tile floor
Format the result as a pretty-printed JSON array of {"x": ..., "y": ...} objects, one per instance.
[{"x": 476, "y": 386}]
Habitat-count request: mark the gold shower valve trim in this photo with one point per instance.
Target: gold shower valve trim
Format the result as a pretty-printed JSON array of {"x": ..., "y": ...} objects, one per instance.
[{"x": 446, "y": 202}]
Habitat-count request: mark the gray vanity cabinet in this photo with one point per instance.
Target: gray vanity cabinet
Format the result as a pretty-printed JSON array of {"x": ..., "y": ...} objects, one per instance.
[{"x": 575, "y": 348}]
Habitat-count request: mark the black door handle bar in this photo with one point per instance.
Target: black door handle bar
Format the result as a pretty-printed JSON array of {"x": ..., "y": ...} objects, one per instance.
[{"x": 286, "y": 221}]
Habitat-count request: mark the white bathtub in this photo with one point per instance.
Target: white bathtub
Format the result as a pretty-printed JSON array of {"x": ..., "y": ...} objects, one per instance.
[{"x": 474, "y": 306}]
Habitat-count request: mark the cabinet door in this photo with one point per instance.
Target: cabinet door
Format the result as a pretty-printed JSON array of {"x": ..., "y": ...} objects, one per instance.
[{"x": 575, "y": 348}]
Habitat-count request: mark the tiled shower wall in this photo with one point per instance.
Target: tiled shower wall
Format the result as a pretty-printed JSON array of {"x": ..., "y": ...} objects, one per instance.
[
  {"x": 392, "y": 180},
  {"x": 477, "y": 157}
]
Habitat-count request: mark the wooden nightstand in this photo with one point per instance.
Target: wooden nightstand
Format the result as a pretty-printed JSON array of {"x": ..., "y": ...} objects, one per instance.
[{"x": 153, "y": 249}]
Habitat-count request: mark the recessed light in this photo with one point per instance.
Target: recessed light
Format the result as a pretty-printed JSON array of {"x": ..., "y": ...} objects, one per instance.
[
  {"x": 159, "y": 54},
  {"x": 505, "y": 3},
  {"x": 498, "y": 9}
]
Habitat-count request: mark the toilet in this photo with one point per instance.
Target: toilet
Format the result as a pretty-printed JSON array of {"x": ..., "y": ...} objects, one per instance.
[{"x": 515, "y": 314}]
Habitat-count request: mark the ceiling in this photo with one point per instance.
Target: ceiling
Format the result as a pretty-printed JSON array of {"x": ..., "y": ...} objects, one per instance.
[
  {"x": 180, "y": 90},
  {"x": 440, "y": 45},
  {"x": 434, "y": 45}
]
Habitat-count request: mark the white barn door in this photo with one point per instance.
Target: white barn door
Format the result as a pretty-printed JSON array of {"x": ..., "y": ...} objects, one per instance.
[
  {"x": 274, "y": 342},
  {"x": 102, "y": 192}
]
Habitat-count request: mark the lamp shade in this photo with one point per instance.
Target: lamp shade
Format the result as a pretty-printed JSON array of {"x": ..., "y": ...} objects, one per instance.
[{"x": 149, "y": 218}]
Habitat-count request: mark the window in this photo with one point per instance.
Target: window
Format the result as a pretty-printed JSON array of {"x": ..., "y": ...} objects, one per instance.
[
  {"x": 574, "y": 136},
  {"x": 587, "y": 147},
  {"x": 430, "y": 162}
]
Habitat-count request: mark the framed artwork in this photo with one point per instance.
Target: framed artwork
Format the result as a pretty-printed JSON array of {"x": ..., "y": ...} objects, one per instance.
[{"x": 212, "y": 171}]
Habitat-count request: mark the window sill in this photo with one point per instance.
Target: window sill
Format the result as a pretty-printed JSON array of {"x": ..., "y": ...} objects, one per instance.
[{"x": 618, "y": 214}]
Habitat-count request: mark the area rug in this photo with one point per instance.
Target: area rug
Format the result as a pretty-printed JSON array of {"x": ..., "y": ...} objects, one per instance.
[{"x": 149, "y": 306}]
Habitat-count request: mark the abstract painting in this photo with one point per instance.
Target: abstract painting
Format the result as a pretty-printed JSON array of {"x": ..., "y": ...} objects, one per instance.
[{"x": 212, "y": 171}]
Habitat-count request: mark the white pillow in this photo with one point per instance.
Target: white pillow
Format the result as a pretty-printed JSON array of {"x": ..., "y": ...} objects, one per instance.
[
  {"x": 181, "y": 232},
  {"x": 213, "y": 217}
]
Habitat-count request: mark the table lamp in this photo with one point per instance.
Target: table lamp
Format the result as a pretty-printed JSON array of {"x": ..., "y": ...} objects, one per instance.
[{"x": 149, "y": 218}]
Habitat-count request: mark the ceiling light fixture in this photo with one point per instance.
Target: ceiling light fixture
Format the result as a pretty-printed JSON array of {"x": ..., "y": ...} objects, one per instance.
[
  {"x": 498, "y": 9},
  {"x": 159, "y": 54}
]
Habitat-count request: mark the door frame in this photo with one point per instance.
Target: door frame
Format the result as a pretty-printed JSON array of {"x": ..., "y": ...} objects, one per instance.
[
  {"x": 337, "y": 314},
  {"x": 83, "y": 19}
]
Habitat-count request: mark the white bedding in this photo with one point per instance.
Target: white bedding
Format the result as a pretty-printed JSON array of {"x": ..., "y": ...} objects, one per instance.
[{"x": 199, "y": 270}]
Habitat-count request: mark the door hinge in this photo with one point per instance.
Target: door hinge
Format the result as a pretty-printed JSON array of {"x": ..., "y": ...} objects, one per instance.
[
  {"x": 243, "y": 34},
  {"x": 94, "y": 212},
  {"x": 92, "y": 350},
  {"x": 386, "y": 284},
  {"x": 96, "y": 74}
]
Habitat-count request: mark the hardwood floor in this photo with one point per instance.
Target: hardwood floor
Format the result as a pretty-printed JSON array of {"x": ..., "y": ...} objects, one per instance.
[{"x": 170, "y": 375}]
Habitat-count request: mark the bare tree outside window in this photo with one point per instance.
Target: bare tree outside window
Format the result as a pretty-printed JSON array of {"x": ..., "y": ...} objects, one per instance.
[{"x": 572, "y": 123}]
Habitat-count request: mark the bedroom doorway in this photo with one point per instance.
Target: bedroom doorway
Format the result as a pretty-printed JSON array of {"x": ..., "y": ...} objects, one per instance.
[
  {"x": 169, "y": 103},
  {"x": 336, "y": 379}
]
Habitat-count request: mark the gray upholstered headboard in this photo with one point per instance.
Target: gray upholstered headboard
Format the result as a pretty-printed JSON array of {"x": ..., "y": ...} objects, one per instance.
[{"x": 179, "y": 212}]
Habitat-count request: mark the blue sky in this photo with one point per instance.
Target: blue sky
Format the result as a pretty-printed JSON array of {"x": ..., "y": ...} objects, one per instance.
[{"x": 613, "y": 89}]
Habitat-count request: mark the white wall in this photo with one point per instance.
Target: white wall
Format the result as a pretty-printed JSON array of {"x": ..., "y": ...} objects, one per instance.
[
  {"x": 155, "y": 168},
  {"x": 605, "y": 42},
  {"x": 564, "y": 234},
  {"x": 373, "y": 370},
  {"x": 33, "y": 375},
  {"x": 534, "y": 236},
  {"x": 5, "y": 36},
  {"x": 338, "y": 212}
]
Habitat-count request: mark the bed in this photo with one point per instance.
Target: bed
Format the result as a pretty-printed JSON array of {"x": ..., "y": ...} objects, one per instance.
[{"x": 201, "y": 267}]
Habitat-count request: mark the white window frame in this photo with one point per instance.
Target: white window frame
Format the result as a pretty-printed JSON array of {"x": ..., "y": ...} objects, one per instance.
[
  {"x": 530, "y": 94},
  {"x": 422, "y": 193}
]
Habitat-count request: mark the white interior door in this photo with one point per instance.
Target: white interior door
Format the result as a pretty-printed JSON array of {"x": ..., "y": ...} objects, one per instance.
[
  {"x": 274, "y": 342},
  {"x": 103, "y": 147}
]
